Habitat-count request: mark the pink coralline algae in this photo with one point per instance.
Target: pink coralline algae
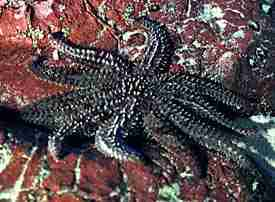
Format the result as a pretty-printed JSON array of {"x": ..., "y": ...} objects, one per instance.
[{"x": 43, "y": 9}]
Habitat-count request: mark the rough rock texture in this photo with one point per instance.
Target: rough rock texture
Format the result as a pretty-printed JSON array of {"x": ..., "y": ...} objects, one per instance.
[{"x": 212, "y": 38}]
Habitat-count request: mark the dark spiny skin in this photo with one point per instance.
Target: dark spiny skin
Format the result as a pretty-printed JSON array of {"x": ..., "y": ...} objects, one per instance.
[{"x": 112, "y": 98}]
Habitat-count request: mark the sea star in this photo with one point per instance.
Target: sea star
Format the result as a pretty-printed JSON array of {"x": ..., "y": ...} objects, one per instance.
[{"x": 112, "y": 98}]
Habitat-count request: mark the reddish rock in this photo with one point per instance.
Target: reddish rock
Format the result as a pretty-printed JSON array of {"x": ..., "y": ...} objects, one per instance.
[
  {"x": 65, "y": 198},
  {"x": 11, "y": 24},
  {"x": 61, "y": 174},
  {"x": 40, "y": 195},
  {"x": 33, "y": 170},
  {"x": 141, "y": 182},
  {"x": 10, "y": 175},
  {"x": 99, "y": 178},
  {"x": 194, "y": 191}
]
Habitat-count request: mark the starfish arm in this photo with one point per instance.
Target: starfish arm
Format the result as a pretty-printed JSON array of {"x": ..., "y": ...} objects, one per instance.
[
  {"x": 55, "y": 146},
  {"x": 134, "y": 124},
  {"x": 110, "y": 140},
  {"x": 70, "y": 126},
  {"x": 204, "y": 131},
  {"x": 187, "y": 97},
  {"x": 61, "y": 109},
  {"x": 206, "y": 111},
  {"x": 160, "y": 46},
  {"x": 171, "y": 135},
  {"x": 216, "y": 93},
  {"x": 71, "y": 74},
  {"x": 74, "y": 74},
  {"x": 88, "y": 55}
]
